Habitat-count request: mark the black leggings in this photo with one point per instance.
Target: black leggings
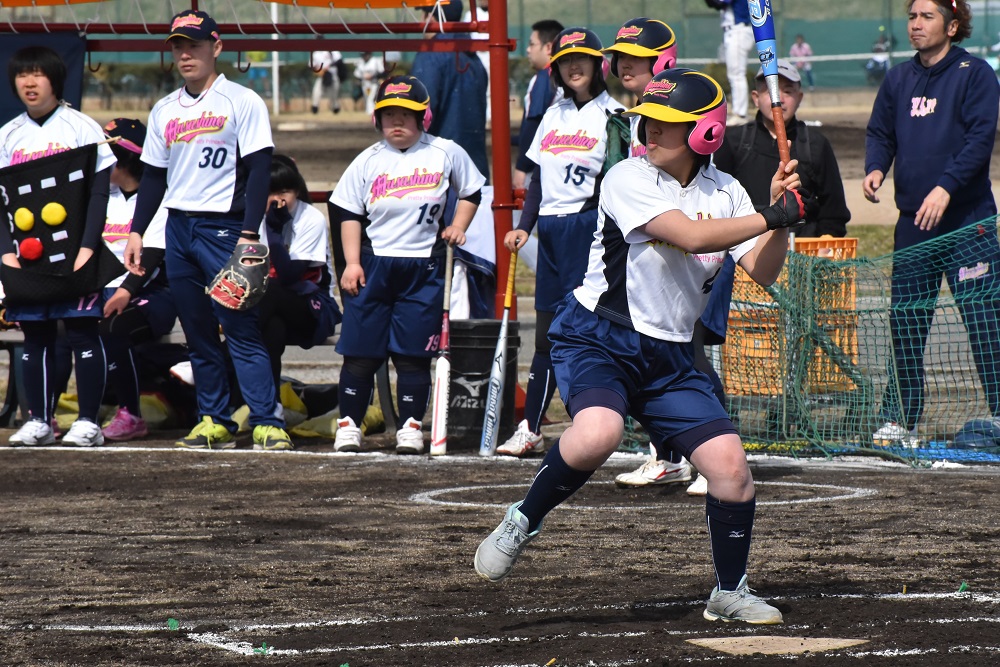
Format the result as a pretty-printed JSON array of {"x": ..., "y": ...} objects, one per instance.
[{"x": 40, "y": 365}]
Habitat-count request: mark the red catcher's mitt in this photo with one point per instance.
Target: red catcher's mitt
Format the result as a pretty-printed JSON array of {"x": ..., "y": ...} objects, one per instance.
[{"x": 243, "y": 280}]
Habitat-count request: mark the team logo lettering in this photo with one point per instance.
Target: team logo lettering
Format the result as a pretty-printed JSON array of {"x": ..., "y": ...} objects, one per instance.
[
  {"x": 659, "y": 88},
  {"x": 559, "y": 143},
  {"x": 973, "y": 272},
  {"x": 759, "y": 11},
  {"x": 189, "y": 21},
  {"x": 572, "y": 38},
  {"x": 21, "y": 155},
  {"x": 186, "y": 130},
  {"x": 117, "y": 231},
  {"x": 385, "y": 186},
  {"x": 921, "y": 106},
  {"x": 628, "y": 32},
  {"x": 397, "y": 88}
]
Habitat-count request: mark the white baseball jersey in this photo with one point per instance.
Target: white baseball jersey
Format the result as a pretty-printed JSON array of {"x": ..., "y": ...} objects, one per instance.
[
  {"x": 569, "y": 148},
  {"x": 649, "y": 285},
  {"x": 22, "y": 139},
  {"x": 321, "y": 59},
  {"x": 402, "y": 194},
  {"x": 636, "y": 147},
  {"x": 201, "y": 141},
  {"x": 307, "y": 238},
  {"x": 118, "y": 225}
]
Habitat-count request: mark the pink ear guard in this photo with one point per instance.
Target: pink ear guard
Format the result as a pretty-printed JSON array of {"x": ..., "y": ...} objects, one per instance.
[
  {"x": 709, "y": 131},
  {"x": 665, "y": 60}
]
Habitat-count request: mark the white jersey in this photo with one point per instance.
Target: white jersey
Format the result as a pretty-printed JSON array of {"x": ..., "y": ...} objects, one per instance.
[
  {"x": 324, "y": 59},
  {"x": 646, "y": 284},
  {"x": 569, "y": 148},
  {"x": 402, "y": 195},
  {"x": 118, "y": 225},
  {"x": 307, "y": 239},
  {"x": 201, "y": 141},
  {"x": 22, "y": 139},
  {"x": 636, "y": 147}
]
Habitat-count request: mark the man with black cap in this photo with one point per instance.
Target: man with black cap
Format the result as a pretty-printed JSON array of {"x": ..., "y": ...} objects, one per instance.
[{"x": 210, "y": 142}]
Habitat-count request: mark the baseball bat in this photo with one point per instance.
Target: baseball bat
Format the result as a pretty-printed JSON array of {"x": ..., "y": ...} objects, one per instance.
[
  {"x": 762, "y": 21},
  {"x": 442, "y": 370},
  {"x": 494, "y": 397}
]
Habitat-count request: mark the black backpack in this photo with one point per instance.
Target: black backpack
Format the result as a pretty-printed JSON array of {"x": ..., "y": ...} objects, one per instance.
[{"x": 802, "y": 145}]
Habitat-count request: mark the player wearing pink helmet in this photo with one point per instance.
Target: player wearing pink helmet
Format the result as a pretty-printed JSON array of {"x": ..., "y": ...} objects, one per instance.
[{"x": 621, "y": 343}]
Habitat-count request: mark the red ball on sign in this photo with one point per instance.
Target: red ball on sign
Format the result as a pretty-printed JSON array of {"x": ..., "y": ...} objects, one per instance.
[{"x": 31, "y": 248}]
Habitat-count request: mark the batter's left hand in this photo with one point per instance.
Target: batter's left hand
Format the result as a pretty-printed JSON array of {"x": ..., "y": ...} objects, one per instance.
[
  {"x": 453, "y": 235},
  {"x": 932, "y": 210},
  {"x": 785, "y": 178}
]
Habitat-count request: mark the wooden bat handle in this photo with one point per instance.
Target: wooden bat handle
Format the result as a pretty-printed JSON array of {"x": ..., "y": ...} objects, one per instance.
[{"x": 779, "y": 132}]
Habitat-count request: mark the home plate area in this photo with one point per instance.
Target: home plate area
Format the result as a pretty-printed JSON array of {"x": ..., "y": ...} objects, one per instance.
[{"x": 149, "y": 556}]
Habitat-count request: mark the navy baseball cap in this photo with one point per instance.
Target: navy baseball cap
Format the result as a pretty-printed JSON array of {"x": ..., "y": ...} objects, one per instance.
[
  {"x": 130, "y": 133},
  {"x": 194, "y": 25}
]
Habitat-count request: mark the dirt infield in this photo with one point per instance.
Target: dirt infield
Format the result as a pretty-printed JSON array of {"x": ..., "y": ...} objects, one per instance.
[{"x": 151, "y": 556}]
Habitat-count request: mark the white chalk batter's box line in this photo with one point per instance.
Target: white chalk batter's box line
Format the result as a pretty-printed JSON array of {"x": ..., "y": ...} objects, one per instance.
[
  {"x": 227, "y": 642},
  {"x": 838, "y": 493}
]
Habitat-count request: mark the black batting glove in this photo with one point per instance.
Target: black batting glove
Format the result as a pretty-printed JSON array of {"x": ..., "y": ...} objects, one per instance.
[{"x": 788, "y": 211}]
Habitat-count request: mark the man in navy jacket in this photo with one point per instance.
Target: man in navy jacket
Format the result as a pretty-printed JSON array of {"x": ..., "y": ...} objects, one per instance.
[{"x": 935, "y": 116}]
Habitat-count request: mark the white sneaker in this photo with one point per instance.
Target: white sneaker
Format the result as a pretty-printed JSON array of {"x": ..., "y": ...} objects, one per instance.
[
  {"x": 699, "y": 487},
  {"x": 33, "y": 433},
  {"x": 348, "y": 438},
  {"x": 497, "y": 554},
  {"x": 892, "y": 431},
  {"x": 740, "y": 605},
  {"x": 84, "y": 434},
  {"x": 654, "y": 472},
  {"x": 410, "y": 438},
  {"x": 523, "y": 442},
  {"x": 183, "y": 372}
]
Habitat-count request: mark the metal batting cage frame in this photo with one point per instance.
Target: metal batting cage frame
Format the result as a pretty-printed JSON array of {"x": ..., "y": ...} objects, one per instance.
[{"x": 307, "y": 36}]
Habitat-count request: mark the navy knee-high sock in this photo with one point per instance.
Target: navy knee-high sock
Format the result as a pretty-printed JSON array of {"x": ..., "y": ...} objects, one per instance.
[
  {"x": 554, "y": 482},
  {"x": 541, "y": 387},
  {"x": 730, "y": 526},
  {"x": 91, "y": 365},
  {"x": 355, "y": 396},
  {"x": 413, "y": 390}
]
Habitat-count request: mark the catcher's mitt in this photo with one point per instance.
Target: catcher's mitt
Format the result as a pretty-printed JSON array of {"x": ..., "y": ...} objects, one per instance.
[{"x": 243, "y": 280}]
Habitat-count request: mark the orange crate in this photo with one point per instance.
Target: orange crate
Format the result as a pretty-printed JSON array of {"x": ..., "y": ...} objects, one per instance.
[
  {"x": 752, "y": 363},
  {"x": 837, "y": 293},
  {"x": 751, "y": 357}
]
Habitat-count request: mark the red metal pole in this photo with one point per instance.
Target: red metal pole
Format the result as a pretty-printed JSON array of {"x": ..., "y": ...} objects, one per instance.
[{"x": 503, "y": 193}]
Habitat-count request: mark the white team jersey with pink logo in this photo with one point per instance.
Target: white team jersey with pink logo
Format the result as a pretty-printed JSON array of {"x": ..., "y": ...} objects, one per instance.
[
  {"x": 22, "y": 139},
  {"x": 644, "y": 283},
  {"x": 118, "y": 225},
  {"x": 569, "y": 149},
  {"x": 403, "y": 193},
  {"x": 197, "y": 139},
  {"x": 307, "y": 238}
]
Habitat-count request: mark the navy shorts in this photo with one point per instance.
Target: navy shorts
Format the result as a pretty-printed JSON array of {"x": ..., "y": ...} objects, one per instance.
[
  {"x": 91, "y": 305},
  {"x": 563, "y": 253},
  {"x": 656, "y": 379},
  {"x": 156, "y": 305},
  {"x": 397, "y": 311}
]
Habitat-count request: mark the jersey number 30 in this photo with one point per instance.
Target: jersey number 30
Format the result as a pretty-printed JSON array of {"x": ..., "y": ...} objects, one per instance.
[{"x": 213, "y": 157}]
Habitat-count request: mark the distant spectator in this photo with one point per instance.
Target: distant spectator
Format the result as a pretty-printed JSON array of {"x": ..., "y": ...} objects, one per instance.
[
  {"x": 801, "y": 49},
  {"x": 540, "y": 93}
]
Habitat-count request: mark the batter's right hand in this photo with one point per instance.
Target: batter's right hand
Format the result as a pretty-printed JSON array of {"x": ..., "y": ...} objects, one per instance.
[
  {"x": 515, "y": 240},
  {"x": 353, "y": 279},
  {"x": 871, "y": 184}
]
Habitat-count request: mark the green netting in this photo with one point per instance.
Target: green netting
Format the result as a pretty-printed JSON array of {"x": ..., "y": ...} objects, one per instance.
[{"x": 819, "y": 361}]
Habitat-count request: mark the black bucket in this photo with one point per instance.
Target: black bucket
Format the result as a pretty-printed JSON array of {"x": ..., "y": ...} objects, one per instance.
[{"x": 472, "y": 345}]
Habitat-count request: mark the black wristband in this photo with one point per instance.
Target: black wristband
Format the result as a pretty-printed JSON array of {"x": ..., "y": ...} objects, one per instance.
[{"x": 250, "y": 236}]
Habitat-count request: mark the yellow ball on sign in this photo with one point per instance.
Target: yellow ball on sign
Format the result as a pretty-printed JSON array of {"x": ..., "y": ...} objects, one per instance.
[
  {"x": 54, "y": 213},
  {"x": 24, "y": 219}
]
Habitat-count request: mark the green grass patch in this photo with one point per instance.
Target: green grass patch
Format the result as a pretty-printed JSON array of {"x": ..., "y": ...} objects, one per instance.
[{"x": 873, "y": 240}]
